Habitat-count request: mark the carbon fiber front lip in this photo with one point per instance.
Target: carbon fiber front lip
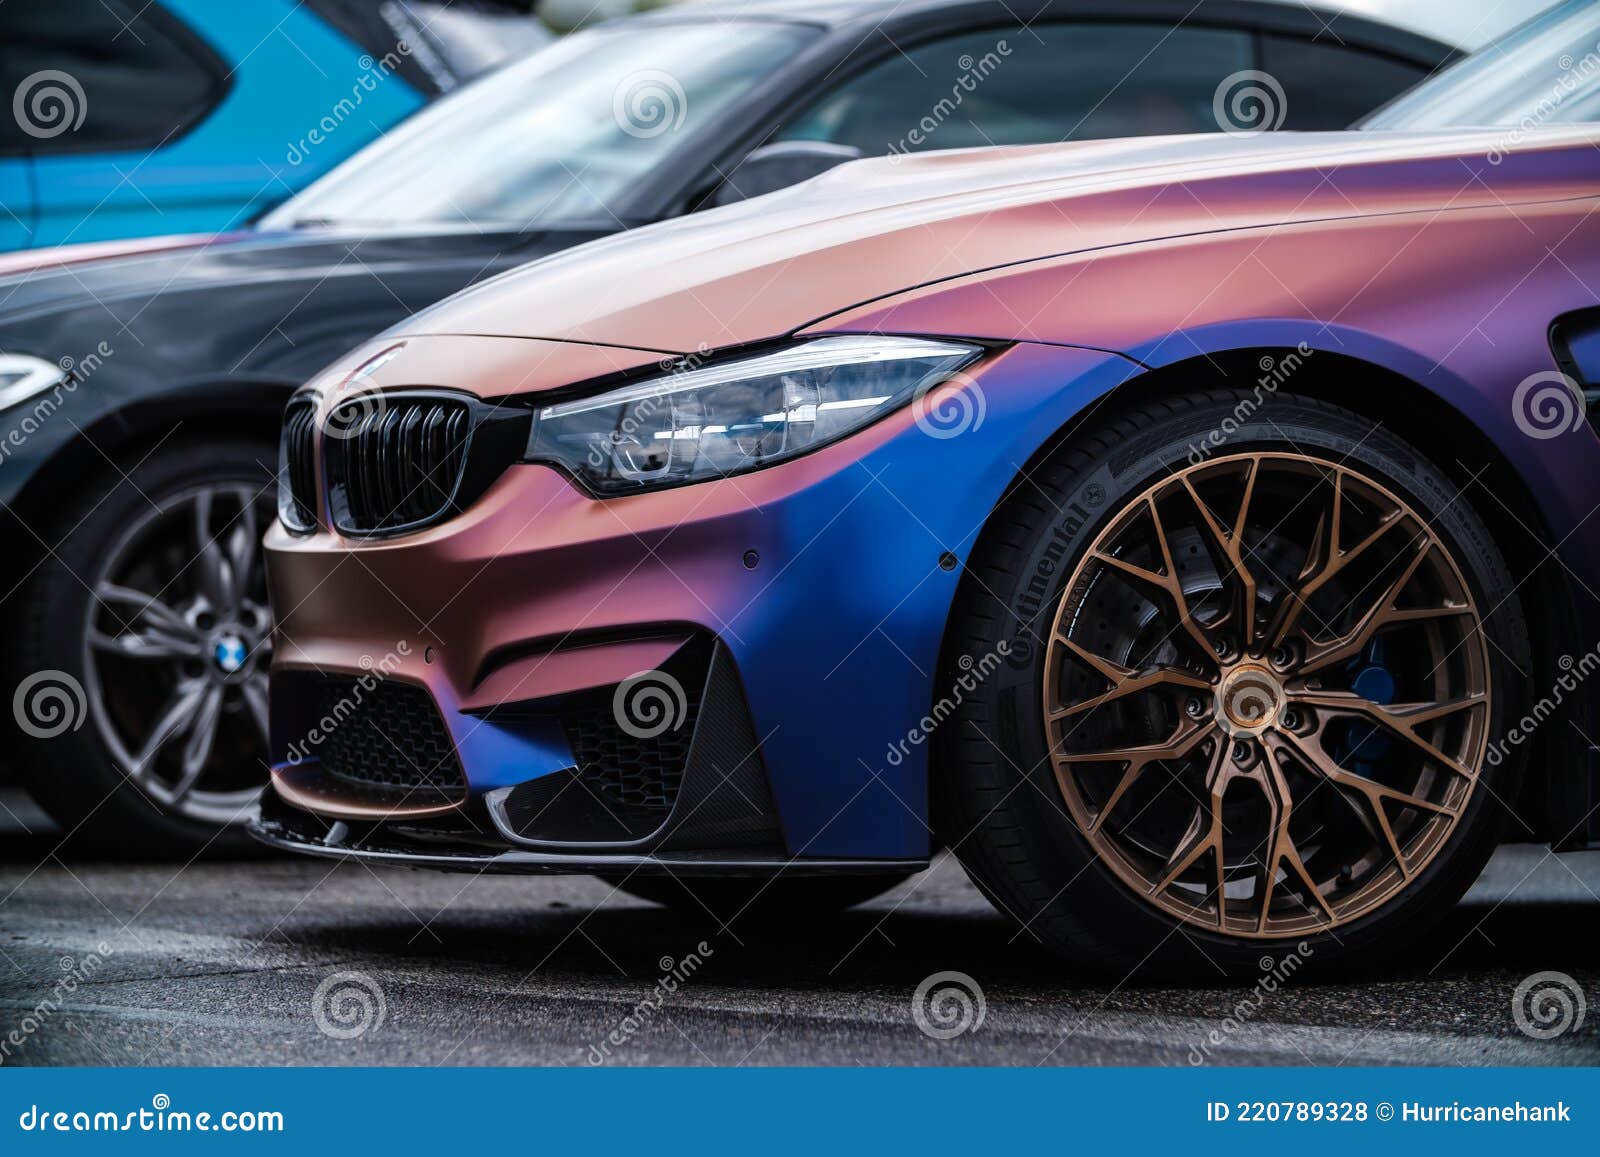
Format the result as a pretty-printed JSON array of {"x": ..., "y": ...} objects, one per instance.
[{"x": 521, "y": 862}]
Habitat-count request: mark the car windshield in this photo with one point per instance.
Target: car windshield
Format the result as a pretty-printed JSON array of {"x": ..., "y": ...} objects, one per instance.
[
  {"x": 1545, "y": 73},
  {"x": 563, "y": 136}
]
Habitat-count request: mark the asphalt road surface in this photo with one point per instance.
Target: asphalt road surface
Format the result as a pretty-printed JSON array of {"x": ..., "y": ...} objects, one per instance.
[{"x": 282, "y": 961}]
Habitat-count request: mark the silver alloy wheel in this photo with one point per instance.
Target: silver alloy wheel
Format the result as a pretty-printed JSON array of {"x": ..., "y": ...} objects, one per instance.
[{"x": 176, "y": 644}]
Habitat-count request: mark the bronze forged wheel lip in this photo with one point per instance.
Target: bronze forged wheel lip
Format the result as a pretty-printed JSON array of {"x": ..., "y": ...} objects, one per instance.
[{"x": 1266, "y": 695}]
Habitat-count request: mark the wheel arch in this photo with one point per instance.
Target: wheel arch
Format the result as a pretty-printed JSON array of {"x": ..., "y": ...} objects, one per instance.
[
  {"x": 121, "y": 438},
  {"x": 1440, "y": 430}
]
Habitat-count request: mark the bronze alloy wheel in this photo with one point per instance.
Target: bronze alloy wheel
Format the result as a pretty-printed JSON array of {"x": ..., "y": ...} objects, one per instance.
[{"x": 1266, "y": 695}]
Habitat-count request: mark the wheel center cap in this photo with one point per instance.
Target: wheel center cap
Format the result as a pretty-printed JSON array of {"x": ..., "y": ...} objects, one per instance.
[
  {"x": 229, "y": 653},
  {"x": 1249, "y": 700}
]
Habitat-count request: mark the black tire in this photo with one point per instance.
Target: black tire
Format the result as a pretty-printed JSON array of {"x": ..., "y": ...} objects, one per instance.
[
  {"x": 66, "y": 765},
  {"x": 734, "y": 898},
  {"x": 997, "y": 803}
]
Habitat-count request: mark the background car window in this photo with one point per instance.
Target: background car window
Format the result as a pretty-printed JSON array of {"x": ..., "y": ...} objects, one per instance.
[
  {"x": 144, "y": 78},
  {"x": 1327, "y": 85},
  {"x": 1015, "y": 86},
  {"x": 562, "y": 136},
  {"x": 1545, "y": 73}
]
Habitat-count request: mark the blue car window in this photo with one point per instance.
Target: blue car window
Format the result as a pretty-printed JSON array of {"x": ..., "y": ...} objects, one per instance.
[{"x": 142, "y": 77}]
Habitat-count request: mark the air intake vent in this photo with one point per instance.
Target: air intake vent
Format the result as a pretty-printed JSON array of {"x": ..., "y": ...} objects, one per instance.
[
  {"x": 388, "y": 736},
  {"x": 297, "y": 471}
]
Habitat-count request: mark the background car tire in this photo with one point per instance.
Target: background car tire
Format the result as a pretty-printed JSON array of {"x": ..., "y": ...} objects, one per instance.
[
  {"x": 61, "y": 696},
  {"x": 998, "y": 803},
  {"x": 740, "y": 898}
]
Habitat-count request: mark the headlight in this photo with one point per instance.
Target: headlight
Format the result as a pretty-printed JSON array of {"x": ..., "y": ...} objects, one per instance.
[
  {"x": 22, "y": 376},
  {"x": 696, "y": 424}
]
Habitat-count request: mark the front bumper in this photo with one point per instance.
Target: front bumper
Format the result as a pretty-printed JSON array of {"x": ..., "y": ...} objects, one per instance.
[{"x": 801, "y": 609}]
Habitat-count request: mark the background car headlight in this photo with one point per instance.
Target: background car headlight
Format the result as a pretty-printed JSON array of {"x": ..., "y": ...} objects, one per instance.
[
  {"x": 696, "y": 424},
  {"x": 22, "y": 376}
]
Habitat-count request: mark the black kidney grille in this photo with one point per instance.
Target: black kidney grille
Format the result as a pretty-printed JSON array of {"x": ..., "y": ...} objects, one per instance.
[
  {"x": 386, "y": 735},
  {"x": 297, "y": 471},
  {"x": 397, "y": 464}
]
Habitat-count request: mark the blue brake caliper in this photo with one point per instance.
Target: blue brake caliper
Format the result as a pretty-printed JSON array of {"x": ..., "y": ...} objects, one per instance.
[{"x": 1365, "y": 743}]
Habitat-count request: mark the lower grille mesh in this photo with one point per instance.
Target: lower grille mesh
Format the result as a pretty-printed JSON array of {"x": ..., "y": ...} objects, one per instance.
[
  {"x": 627, "y": 770},
  {"x": 388, "y": 735}
]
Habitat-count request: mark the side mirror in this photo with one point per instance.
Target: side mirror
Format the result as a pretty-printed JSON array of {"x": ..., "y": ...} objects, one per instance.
[{"x": 777, "y": 166}]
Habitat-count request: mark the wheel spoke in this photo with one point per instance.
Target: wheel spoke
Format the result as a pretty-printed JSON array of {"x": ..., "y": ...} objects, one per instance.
[
  {"x": 1178, "y": 746},
  {"x": 1124, "y": 681},
  {"x": 1383, "y": 613},
  {"x": 1205, "y": 833},
  {"x": 1168, "y": 581},
  {"x": 147, "y": 607},
  {"x": 1231, "y": 545},
  {"x": 254, "y": 691},
  {"x": 202, "y": 737},
  {"x": 1281, "y": 845},
  {"x": 244, "y": 539},
  {"x": 217, "y": 581},
  {"x": 152, "y": 644},
  {"x": 1402, "y": 719},
  {"x": 171, "y": 723},
  {"x": 1327, "y": 557}
]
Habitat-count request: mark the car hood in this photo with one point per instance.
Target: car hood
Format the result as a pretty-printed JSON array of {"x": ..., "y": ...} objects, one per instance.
[
  {"x": 115, "y": 280},
  {"x": 866, "y": 230}
]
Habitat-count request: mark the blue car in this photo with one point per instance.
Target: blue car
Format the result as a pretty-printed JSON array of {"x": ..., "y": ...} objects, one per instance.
[{"x": 129, "y": 118}]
